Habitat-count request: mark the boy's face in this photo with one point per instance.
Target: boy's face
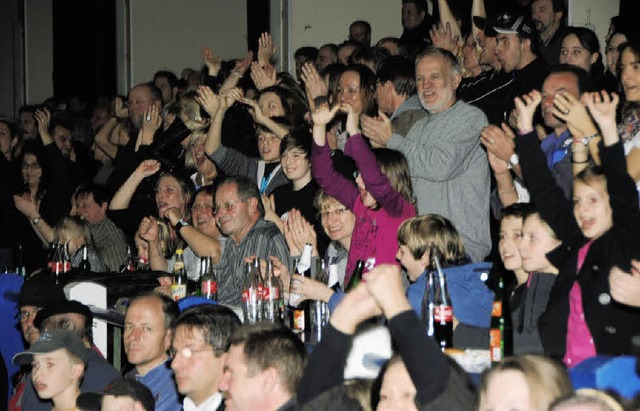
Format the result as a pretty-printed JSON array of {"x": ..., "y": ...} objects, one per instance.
[
  {"x": 537, "y": 241},
  {"x": 415, "y": 267},
  {"x": 510, "y": 238},
  {"x": 54, "y": 373}
]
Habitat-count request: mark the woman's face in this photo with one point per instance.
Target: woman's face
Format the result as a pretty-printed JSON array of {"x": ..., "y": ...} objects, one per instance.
[
  {"x": 268, "y": 146},
  {"x": 337, "y": 220},
  {"x": 510, "y": 239},
  {"x": 169, "y": 195},
  {"x": 349, "y": 91},
  {"x": 592, "y": 209},
  {"x": 537, "y": 241},
  {"x": 202, "y": 215},
  {"x": 204, "y": 165},
  {"x": 271, "y": 105},
  {"x": 295, "y": 164},
  {"x": 5, "y": 140},
  {"x": 397, "y": 391},
  {"x": 497, "y": 398},
  {"x": 630, "y": 75},
  {"x": 31, "y": 170},
  {"x": 612, "y": 52},
  {"x": 573, "y": 53},
  {"x": 470, "y": 54}
]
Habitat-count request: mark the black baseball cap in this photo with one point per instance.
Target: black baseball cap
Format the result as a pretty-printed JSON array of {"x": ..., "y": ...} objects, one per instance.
[
  {"x": 514, "y": 23},
  {"x": 53, "y": 341}
]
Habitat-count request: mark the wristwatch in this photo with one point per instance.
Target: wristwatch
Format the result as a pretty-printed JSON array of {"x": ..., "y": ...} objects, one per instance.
[
  {"x": 513, "y": 161},
  {"x": 35, "y": 220},
  {"x": 181, "y": 223}
]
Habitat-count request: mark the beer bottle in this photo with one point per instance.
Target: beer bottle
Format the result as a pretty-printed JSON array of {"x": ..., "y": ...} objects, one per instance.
[
  {"x": 501, "y": 331},
  {"x": 85, "y": 264},
  {"x": 127, "y": 265},
  {"x": 442, "y": 311},
  {"x": 21, "y": 269},
  {"x": 301, "y": 311},
  {"x": 179, "y": 283},
  {"x": 428, "y": 299},
  {"x": 356, "y": 276},
  {"x": 208, "y": 280},
  {"x": 66, "y": 258},
  {"x": 55, "y": 262}
]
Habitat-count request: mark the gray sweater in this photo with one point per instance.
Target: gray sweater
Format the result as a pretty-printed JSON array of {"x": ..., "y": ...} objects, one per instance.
[{"x": 450, "y": 172}]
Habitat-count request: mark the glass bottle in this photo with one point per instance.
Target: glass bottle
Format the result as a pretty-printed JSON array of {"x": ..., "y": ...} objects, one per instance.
[
  {"x": 500, "y": 331},
  {"x": 271, "y": 297},
  {"x": 127, "y": 265},
  {"x": 250, "y": 295},
  {"x": 85, "y": 264},
  {"x": 356, "y": 276},
  {"x": 301, "y": 311},
  {"x": 179, "y": 282},
  {"x": 442, "y": 311},
  {"x": 428, "y": 298},
  {"x": 208, "y": 279},
  {"x": 21, "y": 269}
]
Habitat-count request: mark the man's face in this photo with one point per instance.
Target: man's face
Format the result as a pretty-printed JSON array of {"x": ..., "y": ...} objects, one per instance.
[
  {"x": 167, "y": 92},
  {"x": 359, "y": 34},
  {"x": 234, "y": 216},
  {"x": 383, "y": 97},
  {"x": 325, "y": 57},
  {"x": 554, "y": 84},
  {"x": 543, "y": 16},
  {"x": 436, "y": 84},
  {"x": 62, "y": 137},
  {"x": 146, "y": 340},
  {"x": 28, "y": 126},
  {"x": 27, "y": 314},
  {"x": 139, "y": 100},
  {"x": 196, "y": 368},
  {"x": 242, "y": 390},
  {"x": 509, "y": 50},
  {"x": 411, "y": 17},
  {"x": 53, "y": 373},
  {"x": 91, "y": 211}
]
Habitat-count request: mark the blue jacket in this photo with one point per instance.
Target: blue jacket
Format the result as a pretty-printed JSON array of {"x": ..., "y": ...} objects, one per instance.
[{"x": 472, "y": 300}]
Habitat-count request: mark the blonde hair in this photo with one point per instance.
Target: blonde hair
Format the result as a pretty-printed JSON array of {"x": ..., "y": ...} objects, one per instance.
[
  {"x": 434, "y": 234},
  {"x": 546, "y": 379},
  {"x": 196, "y": 137},
  {"x": 75, "y": 227}
]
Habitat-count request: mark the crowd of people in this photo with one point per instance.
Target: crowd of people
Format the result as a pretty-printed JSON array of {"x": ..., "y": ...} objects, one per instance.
[{"x": 491, "y": 142}]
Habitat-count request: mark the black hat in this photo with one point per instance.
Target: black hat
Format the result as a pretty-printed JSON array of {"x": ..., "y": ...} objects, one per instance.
[
  {"x": 53, "y": 341},
  {"x": 514, "y": 23},
  {"x": 40, "y": 290},
  {"x": 485, "y": 24},
  {"x": 63, "y": 307}
]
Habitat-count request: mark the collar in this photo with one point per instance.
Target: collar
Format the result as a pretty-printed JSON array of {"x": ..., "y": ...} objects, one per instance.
[{"x": 212, "y": 403}]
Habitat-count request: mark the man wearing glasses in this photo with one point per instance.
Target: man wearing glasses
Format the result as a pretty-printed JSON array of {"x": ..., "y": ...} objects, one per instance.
[{"x": 198, "y": 351}]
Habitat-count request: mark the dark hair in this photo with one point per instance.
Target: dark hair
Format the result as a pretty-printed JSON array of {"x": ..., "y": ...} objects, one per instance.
[
  {"x": 128, "y": 387},
  {"x": 245, "y": 188},
  {"x": 589, "y": 40},
  {"x": 334, "y": 71},
  {"x": 401, "y": 72},
  {"x": 13, "y": 127},
  {"x": 393, "y": 164},
  {"x": 33, "y": 148},
  {"x": 170, "y": 308},
  {"x": 331, "y": 46},
  {"x": 283, "y": 121},
  {"x": 297, "y": 138},
  {"x": 99, "y": 192},
  {"x": 371, "y": 57},
  {"x": 294, "y": 107},
  {"x": 169, "y": 75},
  {"x": 582, "y": 77},
  {"x": 27, "y": 108},
  {"x": 421, "y": 5},
  {"x": 521, "y": 210},
  {"x": 186, "y": 187},
  {"x": 308, "y": 52},
  {"x": 402, "y": 50},
  {"x": 363, "y": 24},
  {"x": 61, "y": 119},
  {"x": 215, "y": 322},
  {"x": 275, "y": 346},
  {"x": 367, "y": 88}
]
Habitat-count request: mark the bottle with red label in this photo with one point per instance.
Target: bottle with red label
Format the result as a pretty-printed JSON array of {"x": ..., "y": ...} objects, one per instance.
[
  {"x": 208, "y": 280},
  {"x": 442, "y": 311},
  {"x": 271, "y": 297},
  {"x": 500, "y": 332},
  {"x": 252, "y": 293}
]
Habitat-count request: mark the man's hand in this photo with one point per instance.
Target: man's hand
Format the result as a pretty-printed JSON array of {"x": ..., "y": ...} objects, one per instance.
[
  {"x": 314, "y": 84},
  {"x": 442, "y": 37},
  {"x": 356, "y": 306},
  {"x": 214, "y": 64},
  {"x": 574, "y": 114},
  {"x": 208, "y": 100},
  {"x": 384, "y": 283},
  {"x": 498, "y": 141},
  {"x": 526, "y": 108},
  {"x": 377, "y": 129}
]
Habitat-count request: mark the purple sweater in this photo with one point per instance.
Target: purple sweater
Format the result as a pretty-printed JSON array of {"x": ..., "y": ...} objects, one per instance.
[{"x": 375, "y": 231}]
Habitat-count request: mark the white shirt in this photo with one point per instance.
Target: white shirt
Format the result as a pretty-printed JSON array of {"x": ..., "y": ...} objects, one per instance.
[{"x": 211, "y": 404}]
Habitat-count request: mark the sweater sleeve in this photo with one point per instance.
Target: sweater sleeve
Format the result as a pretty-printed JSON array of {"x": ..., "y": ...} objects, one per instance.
[
  {"x": 377, "y": 184},
  {"x": 234, "y": 163},
  {"x": 332, "y": 182},
  {"x": 325, "y": 368},
  {"x": 426, "y": 364}
]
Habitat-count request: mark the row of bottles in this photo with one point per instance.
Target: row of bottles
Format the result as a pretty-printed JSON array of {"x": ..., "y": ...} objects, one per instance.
[
  {"x": 182, "y": 286},
  {"x": 262, "y": 297},
  {"x": 501, "y": 330},
  {"x": 58, "y": 260}
]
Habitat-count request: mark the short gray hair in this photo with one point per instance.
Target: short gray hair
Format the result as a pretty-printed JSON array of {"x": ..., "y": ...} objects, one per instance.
[{"x": 445, "y": 54}]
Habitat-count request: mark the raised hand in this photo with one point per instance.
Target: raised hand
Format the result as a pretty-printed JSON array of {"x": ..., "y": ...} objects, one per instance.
[
  {"x": 526, "y": 108},
  {"x": 152, "y": 122},
  {"x": 269, "y": 204},
  {"x": 298, "y": 232},
  {"x": 263, "y": 77},
  {"x": 568, "y": 109},
  {"x": 43, "y": 116},
  {"x": 314, "y": 84},
  {"x": 322, "y": 115},
  {"x": 266, "y": 49},
  {"x": 25, "y": 204},
  {"x": 377, "y": 129},
  {"x": 443, "y": 38},
  {"x": 353, "y": 119},
  {"x": 356, "y": 306},
  {"x": 229, "y": 97},
  {"x": 148, "y": 168},
  {"x": 214, "y": 64},
  {"x": 209, "y": 100},
  {"x": 254, "y": 110},
  {"x": 602, "y": 107},
  {"x": 148, "y": 229},
  {"x": 120, "y": 109},
  {"x": 173, "y": 214},
  {"x": 242, "y": 65}
]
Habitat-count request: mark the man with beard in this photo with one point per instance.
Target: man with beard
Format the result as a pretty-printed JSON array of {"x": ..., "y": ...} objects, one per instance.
[
  {"x": 449, "y": 169},
  {"x": 549, "y": 17}
]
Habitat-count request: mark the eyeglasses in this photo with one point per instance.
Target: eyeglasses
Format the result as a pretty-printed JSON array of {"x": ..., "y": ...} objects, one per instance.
[
  {"x": 32, "y": 166},
  {"x": 24, "y": 315},
  {"x": 228, "y": 206},
  {"x": 186, "y": 352},
  {"x": 337, "y": 212},
  {"x": 202, "y": 206}
]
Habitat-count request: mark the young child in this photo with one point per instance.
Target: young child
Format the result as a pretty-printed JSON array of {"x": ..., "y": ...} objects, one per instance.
[
  {"x": 422, "y": 237},
  {"x": 581, "y": 320},
  {"x": 58, "y": 360},
  {"x": 530, "y": 298},
  {"x": 381, "y": 198}
]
